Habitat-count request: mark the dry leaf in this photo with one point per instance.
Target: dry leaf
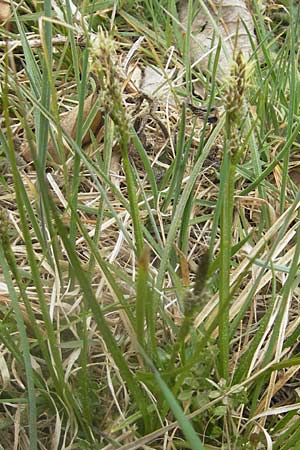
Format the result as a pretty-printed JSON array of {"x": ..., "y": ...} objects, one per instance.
[
  {"x": 152, "y": 81},
  {"x": 5, "y": 12},
  {"x": 224, "y": 19},
  {"x": 69, "y": 125}
]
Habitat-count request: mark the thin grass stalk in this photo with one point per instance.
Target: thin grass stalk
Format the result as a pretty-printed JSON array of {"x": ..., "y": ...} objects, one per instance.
[
  {"x": 32, "y": 68},
  {"x": 131, "y": 187},
  {"x": 257, "y": 168},
  {"x": 153, "y": 7},
  {"x": 292, "y": 35},
  {"x": 215, "y": 264},
  {"x": 74, "y": 53},
  {"x": 172, "y": 28},
  {"x": 145, "y": 160},
  {"x": 107, "y": 153},
  {"x": 142, "y": 293},
  {"x": 184, "y": 229},
  {"x": 185, "y": 225},
  {"x": 79, "y": 129},
  {"x": 150, "y": 322},
  {"x": 263, "y": 36},
  {"x": 211, "y": 98},
  {"x": 76, "y": 68},
  {"x": 225, "y": 262},
  {"x": 294, "y": 337},
  {"x": 232, "y": 153},
  {"x": 5, "y": 262},
  {"x": 178, "y": 169},
  {"x": 149, "y": 205},
  {"x": 164, "y": 183},
  {"x": 42, "y": 125},
  {"x": 217, "y": 213},
  {"x": 112, "y": 104},
  {"x": 187, "y": 49},
  {"x": 84, "y": 379}
]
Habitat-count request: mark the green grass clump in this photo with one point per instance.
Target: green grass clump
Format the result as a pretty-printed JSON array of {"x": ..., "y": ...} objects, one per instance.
[{"x": 149, "y": 257}]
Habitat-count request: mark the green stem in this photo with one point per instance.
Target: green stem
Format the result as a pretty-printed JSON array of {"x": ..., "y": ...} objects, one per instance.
[{"x": 225, "y": 259}]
